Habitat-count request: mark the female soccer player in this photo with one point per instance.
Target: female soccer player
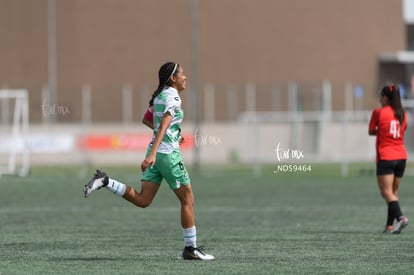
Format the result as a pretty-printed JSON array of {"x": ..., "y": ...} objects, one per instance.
[
  {"x": 163, "y": 159},
  {"x": 389, "y": 123}
]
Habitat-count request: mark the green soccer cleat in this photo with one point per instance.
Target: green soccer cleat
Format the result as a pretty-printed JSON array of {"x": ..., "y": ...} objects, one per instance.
[{"x": 99, "y": 180}]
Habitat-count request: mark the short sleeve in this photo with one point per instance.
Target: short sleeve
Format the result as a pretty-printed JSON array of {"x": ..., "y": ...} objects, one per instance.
[{"x": 172, "y": 105}]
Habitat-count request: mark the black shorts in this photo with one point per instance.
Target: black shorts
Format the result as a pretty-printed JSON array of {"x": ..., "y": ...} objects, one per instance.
[{"x": 395, "y": 167}]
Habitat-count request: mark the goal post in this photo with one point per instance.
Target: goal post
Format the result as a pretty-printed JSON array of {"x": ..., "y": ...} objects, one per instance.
[{"x": 14, "y": 154}]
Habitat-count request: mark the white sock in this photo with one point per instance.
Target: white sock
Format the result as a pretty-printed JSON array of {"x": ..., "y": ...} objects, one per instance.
[
  {"x": 116, "y": 187},
  {"x": 190, "y": 236}
]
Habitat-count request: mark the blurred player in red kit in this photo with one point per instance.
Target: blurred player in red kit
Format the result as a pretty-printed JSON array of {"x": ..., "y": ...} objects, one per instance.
[{"x": 388, "y": 124}]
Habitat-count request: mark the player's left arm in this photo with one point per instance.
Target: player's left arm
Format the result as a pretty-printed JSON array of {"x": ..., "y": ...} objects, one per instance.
[
  {"x": 372, "y": 132},
  {"x": 148, "y": 118},
  {"x": 373, "y": 123},
  {"x": 148, "y": 123},
  {"x": 405, "y": 121}
]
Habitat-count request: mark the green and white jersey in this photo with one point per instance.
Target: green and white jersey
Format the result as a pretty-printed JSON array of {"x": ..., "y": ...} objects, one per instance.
[{"x": 168, "y": 101}]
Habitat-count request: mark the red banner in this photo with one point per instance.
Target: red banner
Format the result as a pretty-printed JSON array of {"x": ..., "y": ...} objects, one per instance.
[{"x": 125, "y": 142}]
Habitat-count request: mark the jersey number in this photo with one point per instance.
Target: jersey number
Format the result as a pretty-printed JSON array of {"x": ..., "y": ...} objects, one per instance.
[{"x": 395, "y": 128}]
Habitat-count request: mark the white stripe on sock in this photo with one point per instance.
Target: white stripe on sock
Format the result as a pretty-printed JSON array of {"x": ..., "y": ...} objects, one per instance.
[
  {"x": 190, "y": 236},
  {"x": 116, "y": 187}
]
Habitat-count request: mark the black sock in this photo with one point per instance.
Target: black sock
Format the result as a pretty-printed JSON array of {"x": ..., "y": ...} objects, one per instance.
[
  {"x": 390, "y": 216},
  {"x": 394, "y": 211}
]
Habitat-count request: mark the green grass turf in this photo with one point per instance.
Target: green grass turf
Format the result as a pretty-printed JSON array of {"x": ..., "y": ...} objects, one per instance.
[{"x": 313, "y": 222}]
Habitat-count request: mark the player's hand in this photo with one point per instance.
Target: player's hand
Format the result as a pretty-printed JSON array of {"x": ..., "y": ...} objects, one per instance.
[
  {"x": 181, "y": 140},
  {"x": 144, "y": 165},
  {"x": 149, "y": 161}
]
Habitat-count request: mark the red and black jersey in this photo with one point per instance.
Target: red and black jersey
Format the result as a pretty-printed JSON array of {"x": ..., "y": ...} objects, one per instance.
[{"x": 390, "y": 134}]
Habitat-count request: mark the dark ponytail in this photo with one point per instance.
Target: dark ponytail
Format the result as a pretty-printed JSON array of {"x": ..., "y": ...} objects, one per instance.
[
  {"x": 392, "y": 92},
  {"x": 164, "y": 74}
]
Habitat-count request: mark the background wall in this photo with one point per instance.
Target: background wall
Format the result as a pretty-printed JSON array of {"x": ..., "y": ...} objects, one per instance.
[{"x": 107, "y": 44}]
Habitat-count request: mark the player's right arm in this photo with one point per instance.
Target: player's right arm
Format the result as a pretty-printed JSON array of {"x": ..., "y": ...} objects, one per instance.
[{"x": 165, "y": 123}]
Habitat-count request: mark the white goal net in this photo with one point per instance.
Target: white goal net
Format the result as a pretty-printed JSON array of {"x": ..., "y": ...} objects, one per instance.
[{"x": 14, "y": 114}]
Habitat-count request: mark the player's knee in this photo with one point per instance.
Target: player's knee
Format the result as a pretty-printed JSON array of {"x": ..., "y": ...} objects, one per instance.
[
  {"x": 188, "y": 201},
  {"x": 146, "y": 203},
  {"x": 388, "y": 196},
  {"x": 143, "y": 203},
  {"x": 385, "y": 195}
]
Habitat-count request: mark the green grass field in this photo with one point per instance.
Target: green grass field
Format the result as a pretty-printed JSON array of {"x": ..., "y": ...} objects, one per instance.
[{"x": 313, "y": 222}]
